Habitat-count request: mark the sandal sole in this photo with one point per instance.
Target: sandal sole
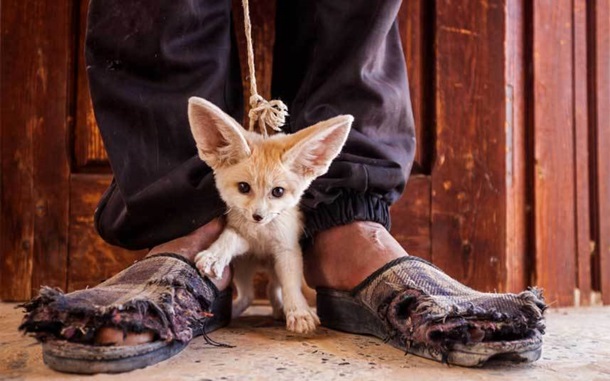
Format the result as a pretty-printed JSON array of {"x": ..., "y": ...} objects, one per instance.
[
  {"x": 67, "y": 357},
  {"x": 340, "y": 311}
]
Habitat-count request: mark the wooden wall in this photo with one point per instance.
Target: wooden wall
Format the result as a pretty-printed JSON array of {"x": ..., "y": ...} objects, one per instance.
[
  {"x": 511, "y": 185},
  {"x": 568, "y": 108},
  {"x": 36, "y": 50}
]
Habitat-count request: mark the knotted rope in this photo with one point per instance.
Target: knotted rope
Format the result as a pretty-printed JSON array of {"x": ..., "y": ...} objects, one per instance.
[{"x": 266, "y": 113}]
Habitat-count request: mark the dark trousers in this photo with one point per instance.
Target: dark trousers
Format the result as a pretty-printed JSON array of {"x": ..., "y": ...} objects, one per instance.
[{"x": 146, "y": 58}]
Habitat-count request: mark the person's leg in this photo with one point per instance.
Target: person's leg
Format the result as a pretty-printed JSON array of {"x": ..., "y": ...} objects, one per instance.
[
  {"x": 346, "y": 57},
  {"x": 144, "y": 60}
]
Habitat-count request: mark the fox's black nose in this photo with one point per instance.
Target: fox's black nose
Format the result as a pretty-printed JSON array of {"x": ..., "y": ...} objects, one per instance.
[{"x": 257, "y": 217}]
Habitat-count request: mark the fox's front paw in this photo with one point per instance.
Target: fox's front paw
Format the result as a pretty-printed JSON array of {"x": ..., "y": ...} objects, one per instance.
[
  {"x": 301, "y": 320},
  {"x": 211, "y": 263}
]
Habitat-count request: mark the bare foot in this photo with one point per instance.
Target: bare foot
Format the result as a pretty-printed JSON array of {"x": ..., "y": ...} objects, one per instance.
[
  {"x": 187, "y": 246},
  {"x": 343, "y": 256}
]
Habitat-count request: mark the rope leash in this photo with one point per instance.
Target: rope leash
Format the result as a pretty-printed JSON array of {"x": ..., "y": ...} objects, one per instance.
[{"x": 270, "y": 114}]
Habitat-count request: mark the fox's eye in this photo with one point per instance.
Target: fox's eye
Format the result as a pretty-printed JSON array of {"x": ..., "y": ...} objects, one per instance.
[
  {"x": 277, "y": 192},
  {"x": 243, "y": 187}
]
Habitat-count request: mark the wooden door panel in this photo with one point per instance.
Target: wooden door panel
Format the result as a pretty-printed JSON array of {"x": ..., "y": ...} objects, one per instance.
[
  {"x": 262, "y": 17},
  {"x": 415, "y": 21},
  {"x": 91, "y": 259},
  {"x": 411, "y": 218},
  {"x": 517, "y": 256},
  {"x": 468, "y": 175},
  {"x": 599, "y": 11},
  {"x": 554, "y": 171},
  {"x": 36, "y": 52},
  {"x": 89, "y": 154},
  {"x": 581, "y": 156}
]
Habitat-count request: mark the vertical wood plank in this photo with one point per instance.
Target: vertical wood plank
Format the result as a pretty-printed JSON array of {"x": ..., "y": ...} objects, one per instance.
[
  {"x": 19, "y": 64},
  {"x": 89, "y": 152},
  {"x": 416, "y": 44},
  {"x": 517, "y": 258},
  {"x": 581, "y": 154},
  {"x": 36, "y": 58},
  {"x": 411, "y": 218},
  {"x": 91, "y": 259},
  {"x": 468, "y": 176},
  {"x": 601, "y": 96},
  {"x": 51, "y": 163},
  {"x": 262, "y": 17},
  {"x": 553, "y": 122}
]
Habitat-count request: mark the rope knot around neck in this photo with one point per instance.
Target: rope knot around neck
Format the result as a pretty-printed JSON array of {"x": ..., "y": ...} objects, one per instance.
[{"x": 270, "y": 114}]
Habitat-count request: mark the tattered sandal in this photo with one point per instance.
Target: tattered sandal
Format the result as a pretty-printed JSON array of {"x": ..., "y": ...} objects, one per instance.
[
  {"x": 163, "y": 294},
  {"x": 416, "y": 307}
]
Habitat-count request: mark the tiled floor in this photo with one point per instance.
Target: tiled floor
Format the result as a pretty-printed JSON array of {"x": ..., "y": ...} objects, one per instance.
[{"x": 577, "y": 347}]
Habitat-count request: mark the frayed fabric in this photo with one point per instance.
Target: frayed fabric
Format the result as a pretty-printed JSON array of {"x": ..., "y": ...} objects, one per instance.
[
  {"x": 163, "y": 294},
  {"x": 422, "y": 306}
]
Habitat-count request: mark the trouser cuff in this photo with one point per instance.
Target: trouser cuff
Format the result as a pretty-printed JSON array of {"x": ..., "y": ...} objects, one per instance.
[{"x": 349, "y": 207}]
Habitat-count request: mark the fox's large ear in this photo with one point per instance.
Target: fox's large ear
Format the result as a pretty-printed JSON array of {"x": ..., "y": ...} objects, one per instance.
[
  {"x": 312, "y": 149},
  {"x": 220, "y": 139}
]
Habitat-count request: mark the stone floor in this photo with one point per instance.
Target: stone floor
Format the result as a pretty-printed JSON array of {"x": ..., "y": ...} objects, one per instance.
[{"x": 577, "y": 347}]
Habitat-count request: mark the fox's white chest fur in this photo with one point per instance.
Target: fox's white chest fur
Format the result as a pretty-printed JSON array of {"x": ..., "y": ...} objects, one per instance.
[
  {"x": 279, "y": 237},
  {"x": 261, "y": 180},
  {"x": 263, "y": 240}
]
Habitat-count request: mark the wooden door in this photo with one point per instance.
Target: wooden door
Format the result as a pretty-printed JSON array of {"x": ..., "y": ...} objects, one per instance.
[{"x": 511, "y": 182}]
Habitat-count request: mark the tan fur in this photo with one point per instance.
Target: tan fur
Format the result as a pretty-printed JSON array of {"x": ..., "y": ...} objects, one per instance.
[{"x": 291, "y": 162}]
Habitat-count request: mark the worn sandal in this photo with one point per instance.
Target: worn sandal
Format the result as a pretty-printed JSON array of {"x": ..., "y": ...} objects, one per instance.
[
  {"x": 416, "y": 307},
  {"x": 163, "y": 294}
]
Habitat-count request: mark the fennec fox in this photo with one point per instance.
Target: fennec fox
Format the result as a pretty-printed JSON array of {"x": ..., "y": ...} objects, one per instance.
[{"x": 261, "y": 180}]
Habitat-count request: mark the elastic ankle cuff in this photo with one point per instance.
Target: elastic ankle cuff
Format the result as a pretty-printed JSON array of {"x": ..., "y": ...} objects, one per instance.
[{"x": 349, "y": 207}]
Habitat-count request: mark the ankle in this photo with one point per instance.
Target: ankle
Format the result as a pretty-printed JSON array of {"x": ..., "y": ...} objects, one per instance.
[
  {"x": 191, "y": 244},
  {"x": 343, "y": 256}
]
